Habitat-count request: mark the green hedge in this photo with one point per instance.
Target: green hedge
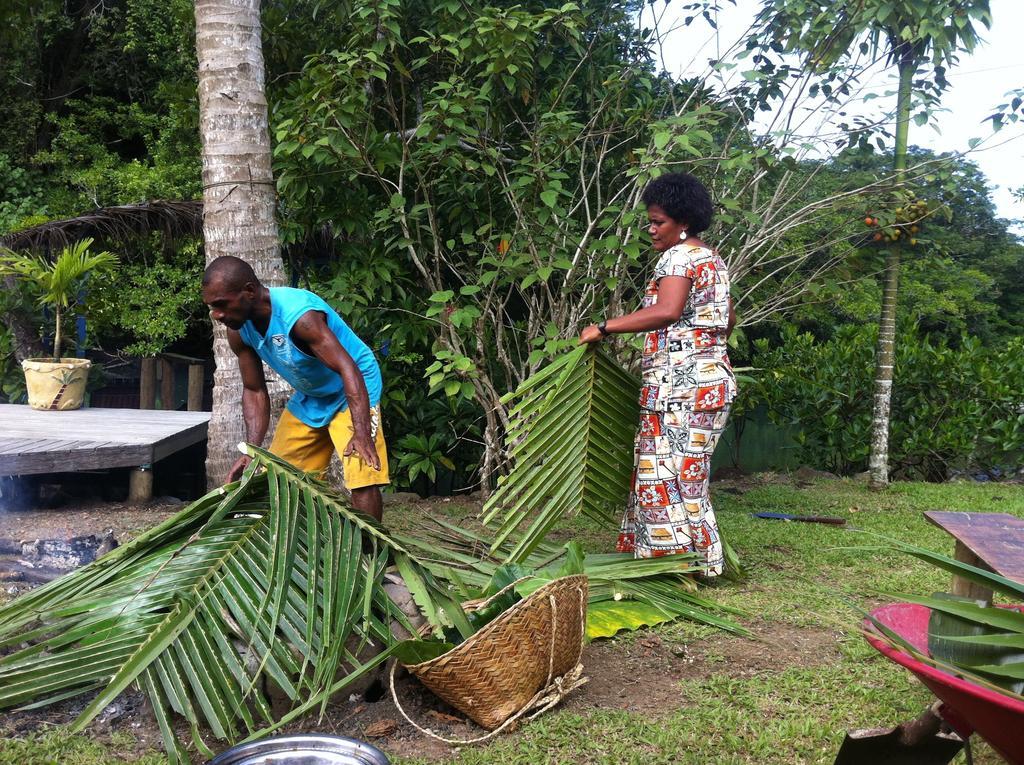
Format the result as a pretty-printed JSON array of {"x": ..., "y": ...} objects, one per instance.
[{"x": 953, "y": 408}]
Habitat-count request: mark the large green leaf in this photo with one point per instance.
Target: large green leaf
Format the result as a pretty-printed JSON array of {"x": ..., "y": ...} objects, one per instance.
[
  {"x": 972, "y": 638},
  {"x": 607, "y": 617},
  {"x": 571, "y": 434}
]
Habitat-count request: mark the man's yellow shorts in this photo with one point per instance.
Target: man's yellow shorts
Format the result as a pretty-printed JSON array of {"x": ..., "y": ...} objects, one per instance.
[{"x": 310, "y": 448}]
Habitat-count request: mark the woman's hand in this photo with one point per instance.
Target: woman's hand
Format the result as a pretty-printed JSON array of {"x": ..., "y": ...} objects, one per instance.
[{"x": 591, "y": 335}]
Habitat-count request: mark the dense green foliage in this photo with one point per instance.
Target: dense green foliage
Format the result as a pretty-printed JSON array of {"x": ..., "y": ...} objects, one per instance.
[
  {"x": 469, "y": 200},
  {"x": 954, "y": 408},
  {"x": 99, "y": 105},
  {"x": 960, "y": 276}
]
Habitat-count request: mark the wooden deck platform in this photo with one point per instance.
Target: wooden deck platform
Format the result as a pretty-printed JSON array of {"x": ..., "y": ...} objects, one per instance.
[{"x": 33, "y": 442}]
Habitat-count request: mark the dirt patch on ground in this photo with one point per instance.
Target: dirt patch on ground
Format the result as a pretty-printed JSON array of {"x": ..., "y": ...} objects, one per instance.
[
  {"x": 775, "y": 647},
  {"x": 643, "y": 674},
  {"x": 640, "y": 674},
  {"x": 126, "y": 520}
]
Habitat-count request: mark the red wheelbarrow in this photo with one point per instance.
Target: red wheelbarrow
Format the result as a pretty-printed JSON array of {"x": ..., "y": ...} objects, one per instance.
[{"x": 967, "y": 708}]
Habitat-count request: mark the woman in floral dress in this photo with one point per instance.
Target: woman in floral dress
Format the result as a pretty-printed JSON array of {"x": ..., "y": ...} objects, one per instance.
[{"x": 688, "y": 384}]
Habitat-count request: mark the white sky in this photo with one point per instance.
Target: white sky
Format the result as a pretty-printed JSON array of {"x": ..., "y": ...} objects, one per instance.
[{"x": 977, "y": 85}]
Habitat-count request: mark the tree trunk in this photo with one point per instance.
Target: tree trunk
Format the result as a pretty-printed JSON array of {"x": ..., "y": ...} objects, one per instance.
[
  {"x": 238, "y": 192},
  {"x": 885, "y": 353},
  {"x": 58, "y": 336},
  {"x": 878, "y": 462}
]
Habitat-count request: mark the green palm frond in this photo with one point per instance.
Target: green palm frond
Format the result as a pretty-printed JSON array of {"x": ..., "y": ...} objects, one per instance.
[
  {"x": 57, "y": 281},
  {"x": 463, "y": 558},
  {"x": 274, "y": 581},
  {"x": 571, "y": 435},
  {"x": 977, "y": 640},
  {"x": 71, "y": 266}
]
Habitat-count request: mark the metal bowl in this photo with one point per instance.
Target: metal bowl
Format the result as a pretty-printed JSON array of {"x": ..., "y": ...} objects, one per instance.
[{"x": 303, "y": 749}]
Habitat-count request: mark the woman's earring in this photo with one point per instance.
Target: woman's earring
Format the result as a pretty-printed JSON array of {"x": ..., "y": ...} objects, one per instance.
[{"x": 683, "y": 234}]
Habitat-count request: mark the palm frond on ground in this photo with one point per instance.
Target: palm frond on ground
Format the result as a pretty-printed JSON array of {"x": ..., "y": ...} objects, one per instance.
[
  {"x": 275, "y": 581},
  {"x": 571, "y": 438},
  {"x": 271, "y": 580},
  {"x": 625, "y": 593}
]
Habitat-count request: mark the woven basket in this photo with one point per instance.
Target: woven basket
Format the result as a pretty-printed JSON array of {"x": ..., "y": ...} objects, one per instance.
[{"x": 501, "y": 668}]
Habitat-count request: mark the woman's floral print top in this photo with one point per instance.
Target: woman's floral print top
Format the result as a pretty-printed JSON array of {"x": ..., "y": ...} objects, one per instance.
[{"x": 686, "y": 365}]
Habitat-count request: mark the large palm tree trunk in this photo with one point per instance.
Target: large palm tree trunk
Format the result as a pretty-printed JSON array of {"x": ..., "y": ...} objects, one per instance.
[
  {"x": 238, "y": 190},
  {"x": 878, "y": 462}
]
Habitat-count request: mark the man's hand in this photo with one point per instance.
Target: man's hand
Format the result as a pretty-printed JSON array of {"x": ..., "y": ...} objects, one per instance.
[
  {"x": 362, "y": 446},
  {"x": 591, "y": 335},
  {"x": 238, "y": 468}
]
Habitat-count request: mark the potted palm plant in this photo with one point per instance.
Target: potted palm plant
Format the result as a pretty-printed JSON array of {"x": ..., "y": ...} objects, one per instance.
[{"x": 57, "y": 383}]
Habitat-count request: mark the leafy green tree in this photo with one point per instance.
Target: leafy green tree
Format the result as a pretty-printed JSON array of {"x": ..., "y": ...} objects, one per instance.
[
  {"x": 959, "y": 277},
  {"x": 504, "y": 168},
  {"x": 910, "y": 34}
]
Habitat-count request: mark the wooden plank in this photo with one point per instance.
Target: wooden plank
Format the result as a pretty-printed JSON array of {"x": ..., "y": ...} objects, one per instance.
[
  {"x": 14, "y": 445},
  {"x": 119, "y": 433},
  {"x": 30, "y": 445},
  {"x": 166, "y": 384},
  {"x": 995, "y": 539},
  {"x": 92, "y": 439},
  {"x": 24, "y": 412},
  {"x": 124, "y": 425},
  {"x": 182, "y": 358},
  {"x": 85, "y": 457},
  {"x": 195, "y": 387},
  {"x": 179, "y": 441}
]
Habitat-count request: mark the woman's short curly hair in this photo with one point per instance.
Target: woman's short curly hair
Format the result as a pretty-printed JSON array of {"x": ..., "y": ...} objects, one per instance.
[{"x": 683, "y": 198}]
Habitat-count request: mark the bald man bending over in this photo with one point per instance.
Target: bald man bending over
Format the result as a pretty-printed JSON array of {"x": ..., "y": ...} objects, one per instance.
[{"x": 336, "y": 378}]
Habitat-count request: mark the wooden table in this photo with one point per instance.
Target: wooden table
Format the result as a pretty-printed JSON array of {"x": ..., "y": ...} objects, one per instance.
[
  {"x": 992, "y": 541},
  {"x": 34, "y": 442}
]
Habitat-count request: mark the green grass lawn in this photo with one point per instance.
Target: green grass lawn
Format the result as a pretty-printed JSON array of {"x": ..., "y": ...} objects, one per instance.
[{"x": 785, "y": 696}]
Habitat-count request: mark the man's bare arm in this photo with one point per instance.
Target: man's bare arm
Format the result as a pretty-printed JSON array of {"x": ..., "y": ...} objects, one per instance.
[
  {"x": 311, "y": 329},
  {"x": 255, "y": 399}
]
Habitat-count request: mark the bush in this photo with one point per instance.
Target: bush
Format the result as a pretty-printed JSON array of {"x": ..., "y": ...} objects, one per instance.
[{"x": 953, "y": 407}]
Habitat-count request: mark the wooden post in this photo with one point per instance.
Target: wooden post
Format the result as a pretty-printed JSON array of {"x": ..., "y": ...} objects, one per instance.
[
  {"x": 140, "y": 484},
  {"x": 965, "y": 587},
  {"x": 195, "y": 387},
  {"x": 166, "y": 384},
  {"x": 147, "y": 384}
]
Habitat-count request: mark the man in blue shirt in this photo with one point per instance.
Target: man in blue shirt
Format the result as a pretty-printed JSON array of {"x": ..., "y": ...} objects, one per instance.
[{"x": 336, "y": 378}]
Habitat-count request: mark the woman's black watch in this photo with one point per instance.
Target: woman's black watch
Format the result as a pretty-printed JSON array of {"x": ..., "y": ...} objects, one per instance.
[{"x": 603, "y": 328}]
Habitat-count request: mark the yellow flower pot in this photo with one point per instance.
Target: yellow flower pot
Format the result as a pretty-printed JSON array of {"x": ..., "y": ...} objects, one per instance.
[{"x": 56, "y": 385}]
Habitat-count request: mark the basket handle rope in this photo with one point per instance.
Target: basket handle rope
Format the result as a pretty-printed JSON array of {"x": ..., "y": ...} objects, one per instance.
[{"x": 556, "y": 688}]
